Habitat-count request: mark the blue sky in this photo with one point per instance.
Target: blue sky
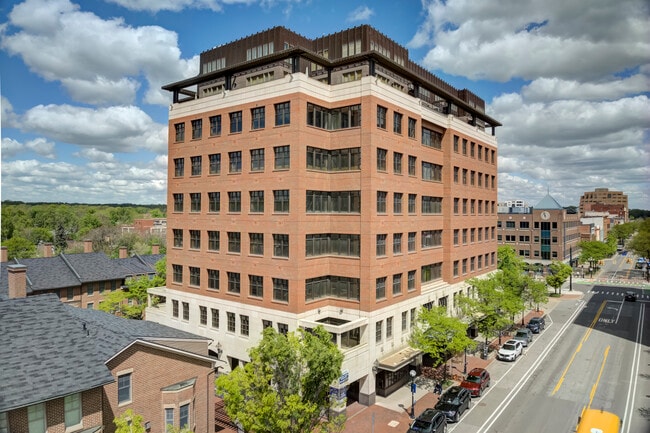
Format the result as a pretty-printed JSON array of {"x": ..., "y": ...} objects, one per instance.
[{"x": 84, "y": 119}]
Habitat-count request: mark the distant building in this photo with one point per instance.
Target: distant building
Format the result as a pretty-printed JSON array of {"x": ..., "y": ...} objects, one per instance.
[
  {"x": 539, "y": 234},
  {"x": 66, "y": 369},
  {"x": 153, "y": 226},
  {"x": 604, "y": 200}
]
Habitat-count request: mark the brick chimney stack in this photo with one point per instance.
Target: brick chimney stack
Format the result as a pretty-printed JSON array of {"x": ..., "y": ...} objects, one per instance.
[
  {"x": 17, "y": 281},
  {"x": 48, "y": 249},
  {"x": 123, "y": 252},
  {"x": 155, "y": 249},
  {"x": 4, "y": 255},
  {"x": 88, "y": 246}
]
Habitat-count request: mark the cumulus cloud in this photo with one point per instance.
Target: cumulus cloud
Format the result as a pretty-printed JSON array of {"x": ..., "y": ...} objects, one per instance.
[
  {"x": 98, "y": 61},
  {"x": 362, "y": 13},
  {"x": 7, "y": 115},
  {"x": 40, "y": 146}
]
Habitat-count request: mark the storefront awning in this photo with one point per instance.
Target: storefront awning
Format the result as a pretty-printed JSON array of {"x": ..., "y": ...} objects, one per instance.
[{"x": 398, "y": 359}]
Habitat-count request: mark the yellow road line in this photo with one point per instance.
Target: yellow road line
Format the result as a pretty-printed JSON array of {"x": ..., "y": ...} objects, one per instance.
[
  {"x": 584, "y": 338},
  {"x": 602, "y": 367}
]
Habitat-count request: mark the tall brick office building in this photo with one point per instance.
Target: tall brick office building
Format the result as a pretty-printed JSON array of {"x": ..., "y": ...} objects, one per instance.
[{"x": 329, "y": 181}]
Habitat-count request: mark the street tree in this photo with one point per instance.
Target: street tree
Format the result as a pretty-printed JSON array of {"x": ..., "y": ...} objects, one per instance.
[
  {"x": 622, "y": 232},
  {"x": 285, "y": 386},
  {"x": 595, "y": 250},
  {"x": 129, "y": 422},
  {"x": 559, "y": 272},
  {"x": 439, "y": 334},
  {"x": 640, "y": 243},
  {"x": 535, "y": 292},
  {"x": 485, "y": 305}
]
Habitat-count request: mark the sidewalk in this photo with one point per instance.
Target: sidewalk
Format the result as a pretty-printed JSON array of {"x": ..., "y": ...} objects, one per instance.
[{"x": 392, "y": 414}]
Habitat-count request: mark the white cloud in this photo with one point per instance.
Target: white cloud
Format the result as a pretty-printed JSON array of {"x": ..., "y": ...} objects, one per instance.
[
  {"x": 97, "y": 61},
  {"x": 7, "y": 115},
  {"x": 549, "y": 89},
  {"x": 111, "y": 129},
  {"x": 95, "y": 155},
  {"x": 362, "y": 13},
  {"x": 40, "y": 146}
]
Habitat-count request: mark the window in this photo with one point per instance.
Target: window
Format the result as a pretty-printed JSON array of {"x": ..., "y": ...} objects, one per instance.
[
  {"x": 389, "y": 327},
  {"x": 456, "y": 143},
  {"x": 431, "y": 272},
  {"x": 169, "y": 417},
  {"x": 380, "y": 288},
  {"x": 397, "y": 163},
  {"x": 280, "y": 245},
  {"x": 258, "y": 115},
  {"x": 203, "y": 315},
  {"x": 282, "y": 157},
  {"x": 431, "y": 238},
  {"x": 89, "y": 291},
  {"x": 412, "y": 125},
  {"x": 524, "y": 225},
  {"x": 195, "y": 276},
  {"x": 412, "y": 162},
  {"x": 411, "y": 204},
  {"x": 381, "y": 245},
  {"x": 215, "y": 125},
  {"x": 213, "y": 279},
  {"x": 235, "y": 162},
  {"x": 197, "y": 126},
  {"x": 179, "y": 167},
  {"x": 464, "y": 206},
  {"x": 282, "y": 114},
  {"x": 36, "y": 418},
  {"x": 234, "y": 242},
  {"x": 177, "y": 271},
  {"x": 397, "y": 284},
  {"x": 431, "y": 138},
  {"x": 244, "y": 327},
  {"x": 431, "y": 171},
  {"x": 464, "y": 146},
  {"x": 174, "y": 308},
  {"x": 231, "y": 322},
  {"x": 381, "y": 159},
  {"x": 257, "y": 159},
  {"x": 235, "y": 122},
  {"x": 72, "y": 404},
  {"x": 431, "y": 205},
  {"x": 333, "y": 119},
  {"x": 397, "y": 202},
  {"x": 184, "y": 416},
  {"x": 256, "y": 243},
  {"x": 214, "y": 202},
  {"x": 215, "y": 163},
  {"x": 472, "y": 148},
  {"x": 455, "y": 268},
  {"x": 89, "y": 306},
  {"x": 456, "y": 236},
  {"x": 178, "y": 238},
  {"x": 257, "y": 201},
  {"x": 333, "y": 160},
  {"x": 280, "y": 290},
  {"x": 464, "y": 236},
  {"x": 411, "y": 241},
  {"x": 186, "y": 311},
  {"x": 281, "y": 200},
  {"x": 180, "y": 131},
  {"x": 404, "y": 320},
  {"x": 124, "y": 388},
  {"x": 411, "y": 280},
  {"x": 256, "y": 286},
  {"x": 234, "y": 282},
  {"x": 283, "y": 328},
  {"x": 234, "y": 201},
  {"x": 456, "y": 174},
  {"x": 266, "y": 324},
  {"x": 397, "y": 243},
  {"x": 381, "y": 201},
  {"x": 195, "y": 202},
  {"x": 378, "y": 327},
  {"x": 456, "y": 205},
  {"x": 213, "y": 240},
  {"x": 215, "y": 317},
  {"x": 332, "y": 244},
  {"x": 397, "y": 123},
  {"x": 381, "y": 117},
  {"x": 195, "y": 239},
  {"x": 336, "y": 201}
]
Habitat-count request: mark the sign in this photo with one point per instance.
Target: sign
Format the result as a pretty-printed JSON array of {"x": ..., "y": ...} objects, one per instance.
[{"x": 345, "y": 376}]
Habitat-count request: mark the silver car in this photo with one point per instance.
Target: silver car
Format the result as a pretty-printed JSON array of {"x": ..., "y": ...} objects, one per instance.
[{"x": 524, "y": 335}]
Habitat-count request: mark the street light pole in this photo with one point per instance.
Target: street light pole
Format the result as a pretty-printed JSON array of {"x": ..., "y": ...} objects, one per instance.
[
  {"x": 412, "y": 373},
  {"x": 465, "y": 364}
]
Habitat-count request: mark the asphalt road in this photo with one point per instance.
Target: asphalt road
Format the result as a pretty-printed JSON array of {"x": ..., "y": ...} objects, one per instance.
[{"x": 595, "y": 352}]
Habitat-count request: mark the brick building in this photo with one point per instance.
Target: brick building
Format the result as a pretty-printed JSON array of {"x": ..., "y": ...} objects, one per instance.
[
  {"x": 327, "y": 181},
  {"x": 604, "y": 200}
]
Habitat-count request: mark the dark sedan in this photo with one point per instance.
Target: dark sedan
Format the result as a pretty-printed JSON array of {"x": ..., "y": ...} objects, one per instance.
[
  {"x": 536, "y": 324},
  {"x": 454, "y": 402}
]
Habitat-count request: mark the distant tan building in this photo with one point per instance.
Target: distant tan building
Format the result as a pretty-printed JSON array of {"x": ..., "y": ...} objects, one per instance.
[
  {"x": 604, "y": 200},
  {"x": 539, "y": 234}
]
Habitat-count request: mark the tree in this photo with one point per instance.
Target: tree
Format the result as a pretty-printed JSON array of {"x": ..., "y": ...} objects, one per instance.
[
  {"x": 439, "y": 334},
  {"x": 486, "y": 306},
  {"x": 595, "y": 250},
  {"x": 622, "y": 232},
  {"x": 285, "y": 386},
  {"x": 558, "y": 274},
  {"x": 535, "y": 292},
  {"x": 129, "y": 422},
  {"x": 19, "y": 248},
  {"x": 640, "y": 243}
]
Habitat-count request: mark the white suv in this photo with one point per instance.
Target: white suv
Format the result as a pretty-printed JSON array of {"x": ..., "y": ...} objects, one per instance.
[{"x": 510, "y": 350}]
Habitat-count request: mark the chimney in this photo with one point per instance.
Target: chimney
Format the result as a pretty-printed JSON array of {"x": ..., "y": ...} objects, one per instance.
[
  {"x": 123, "y": 252},
  {"x": 47, "y": 249},
  {"x": 4, "y": 255},
  {"x": 17, "y": 281},
  {"x": 88, "y": 246},
  {"x": 155, "y": 249}
]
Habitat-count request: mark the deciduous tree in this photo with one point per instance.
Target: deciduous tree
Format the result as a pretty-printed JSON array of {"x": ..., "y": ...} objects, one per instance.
[{"x": 558, "y": 274}]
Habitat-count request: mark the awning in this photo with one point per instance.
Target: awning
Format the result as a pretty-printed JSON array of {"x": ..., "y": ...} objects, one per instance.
[{"x": 398, "y": 359}]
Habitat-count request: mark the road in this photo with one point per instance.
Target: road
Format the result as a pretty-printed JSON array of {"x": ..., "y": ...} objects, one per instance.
[{"x": 595, "y": 352}]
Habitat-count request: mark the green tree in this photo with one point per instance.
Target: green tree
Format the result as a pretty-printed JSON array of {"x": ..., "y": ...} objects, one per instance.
[
  {"x": 439, "y": 334},
  {"x": 595, "y": 250},
  {"x": 37, "y": 235},
  {"x": 559, "y": 272},
  {"x": 19, "y": 248},
  {"x": 535, "y": 292},
  {"x": 129, "y": 422},
  {"x": 485, "y": 306},
  {"x": 640, "y": 243},
  {"x": 622, "y": 232},
  {"x": 285, "y": 386}
]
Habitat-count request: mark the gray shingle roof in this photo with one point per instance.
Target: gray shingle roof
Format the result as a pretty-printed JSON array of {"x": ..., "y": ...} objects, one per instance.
[
  {"x": 548, "y": 202},
  {"x": 45, "y": 353}
]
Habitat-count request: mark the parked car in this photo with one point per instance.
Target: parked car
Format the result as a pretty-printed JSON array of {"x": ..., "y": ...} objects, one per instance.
[
  {"x": 454, "y": 402},
  {"x": 524, "y": 335},
  {"x": 476, "y": 381},
  {"x": 429, "y": 421},
  {"x": 537, "y": 324},
  {"x": 630, "y": 296},
  {"x": 510, "y": 350}
]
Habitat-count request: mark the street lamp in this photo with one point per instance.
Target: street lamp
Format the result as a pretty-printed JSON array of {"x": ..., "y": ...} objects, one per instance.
[
  {"x": 465, "y": 364},
  {"x": 591, "y": 267},
  {"x": 412, "y": 373}
]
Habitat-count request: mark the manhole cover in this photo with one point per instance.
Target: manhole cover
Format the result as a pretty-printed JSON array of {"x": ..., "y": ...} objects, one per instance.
[{"x": 393, "y": 423}]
